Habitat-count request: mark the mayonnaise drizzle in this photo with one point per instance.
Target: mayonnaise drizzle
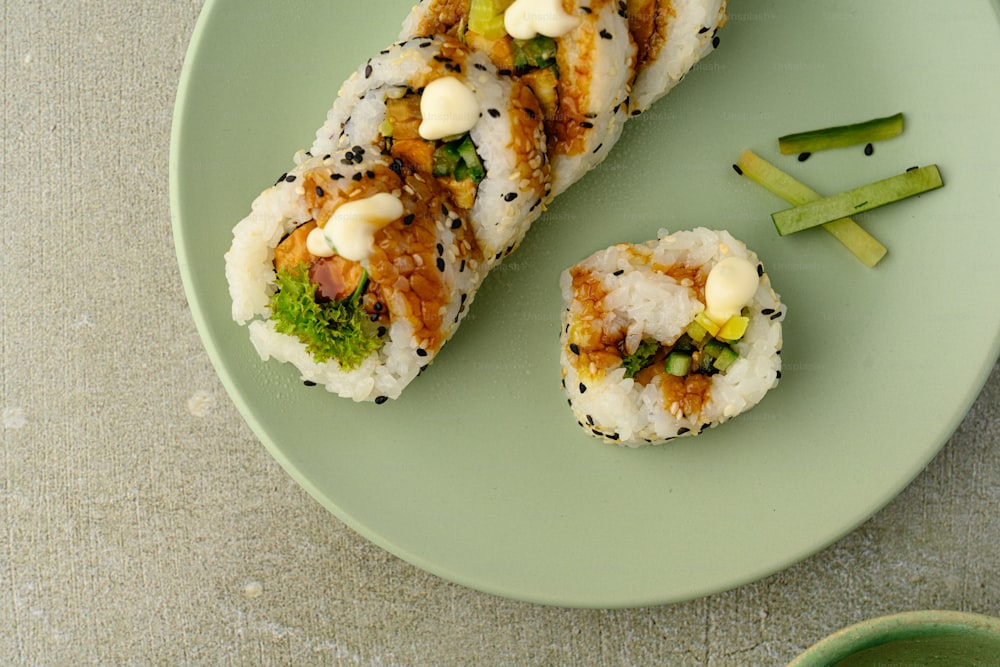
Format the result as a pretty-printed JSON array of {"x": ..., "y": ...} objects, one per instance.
[
  {"x": 448, "y": 108},
  {"x": 350, "y": 231},
  {"x": 526, "y": 19},
  {"x": 730, "y": 285}
]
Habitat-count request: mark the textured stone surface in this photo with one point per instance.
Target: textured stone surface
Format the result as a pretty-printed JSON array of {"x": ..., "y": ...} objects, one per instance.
[{"x": 141, "y": 522}]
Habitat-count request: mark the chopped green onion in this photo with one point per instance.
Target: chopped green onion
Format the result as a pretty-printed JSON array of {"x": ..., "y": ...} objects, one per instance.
[
  {"x": 863, "y": 245},
  {"x": 858, "y": 200},
  {"x": 446, "y": 159},
  {"x": 839, "y": 136}
]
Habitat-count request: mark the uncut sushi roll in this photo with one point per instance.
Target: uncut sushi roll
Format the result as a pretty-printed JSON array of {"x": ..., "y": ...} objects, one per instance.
[
  {"x": 667, "y": 338},
  {"x": 440, "y": 109},
  {"x": 356, "y": 271},
  {"x": 672, "y": 36},
  {"x": 576, "y": 56}
]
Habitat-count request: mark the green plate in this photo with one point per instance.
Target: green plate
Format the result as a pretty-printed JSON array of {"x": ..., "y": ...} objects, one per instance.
[{"x": 479, "y": 473}]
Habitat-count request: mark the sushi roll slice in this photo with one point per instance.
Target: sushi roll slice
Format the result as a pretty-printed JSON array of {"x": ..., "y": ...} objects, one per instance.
[
  {"x": 355, "y": 271},
  {"x": 577, "y": 57},
  {"x": 672, "y": 36},
  {"x": 440, "y": 109},
  {"x": 667, "y": 338}
]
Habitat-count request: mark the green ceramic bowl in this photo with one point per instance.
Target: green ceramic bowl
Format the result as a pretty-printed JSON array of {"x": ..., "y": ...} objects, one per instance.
[{"x": 910, "y": 639}]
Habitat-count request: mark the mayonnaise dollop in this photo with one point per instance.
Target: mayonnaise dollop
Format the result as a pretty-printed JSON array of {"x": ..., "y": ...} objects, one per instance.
[
  {"x": 448, "y": 108},
  {"x": 350, "y": 231},
  {"x": 730, "y": 285},
  {"x": 526, "y": 19}
]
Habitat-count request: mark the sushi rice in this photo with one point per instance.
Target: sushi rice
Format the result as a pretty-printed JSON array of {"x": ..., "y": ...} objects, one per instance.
[{"x": 628, "y": 293}]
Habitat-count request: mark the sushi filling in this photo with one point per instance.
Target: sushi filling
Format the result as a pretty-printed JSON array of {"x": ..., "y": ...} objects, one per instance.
[
  {"x": 341, "y": 308},
  {"x": 453, "y": 160}
]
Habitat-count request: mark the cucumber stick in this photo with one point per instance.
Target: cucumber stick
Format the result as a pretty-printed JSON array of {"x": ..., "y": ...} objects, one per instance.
[
  {"x": 868, "y": 131},
  {"x": 863, "y": 245},
  {"x": 858, "y": 200}
]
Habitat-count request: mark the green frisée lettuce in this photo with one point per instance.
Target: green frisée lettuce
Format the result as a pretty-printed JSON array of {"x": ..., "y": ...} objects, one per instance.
[
  {"x": 328, "y": 329},
  {"x": 642, "y": 357}
]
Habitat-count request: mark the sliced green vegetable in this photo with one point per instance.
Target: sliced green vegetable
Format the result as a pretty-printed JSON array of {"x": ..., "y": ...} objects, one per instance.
[
  {"x": 459, "y": 160},
  {"x": 486, "y": 18},
  {"x": 678, "y": 363},
  {"x": 696, "y": 331},
  {"x": 467, "y": 150},
  {"x": 329, "y": 330},
  {"x": 725, "y": 359},
  {"x": 865, "y": 132},
  {"x": 642, "y": 357},
  {"x": 858, "y": 200},
  {"x": 531, "y": 53},
  {"x": 446, "y": 159},
  {"x": 863, "y": 245},
  {"x": 685, "y": 344}
]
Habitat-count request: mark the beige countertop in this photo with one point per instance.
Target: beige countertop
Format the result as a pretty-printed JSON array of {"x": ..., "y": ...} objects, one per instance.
[{"x": 142, "y": 522}]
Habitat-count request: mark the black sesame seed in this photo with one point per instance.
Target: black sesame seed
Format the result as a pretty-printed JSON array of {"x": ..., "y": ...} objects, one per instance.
[
  {"x": 319, "y": 191},
  {"x": 613, "y": 436},
  {"x": 373, "y": 317},
  {"x": 913, "y": 168},
  {"x": 370, "y": 174},
  {"x": 378, "y": 306},
  {"x": 715, "y": 42},
  {"x": 408, "y": 220},
  {"x": 586, "y": 10},
  {"x": 766, "y": 311},
  {"x": 804, "y": 156},
  {"x": 498, "y": 255},
  {"x": 358, "y": 150},
  {"x": 599, "y": 147},
  {"x": 440, "y": 264},
  {"x": 777, "y": 375},
  {"x": 461, "y": 267},
  {"x": 326, "y": 157},
  {"x": 463, "y": 297},
  {"x": 574, "y": 348},
  {"x": 421, "y": 352},
  {"x": 682, "y": 430},
  {"x": 368, "y": 71},
  {"x": 586, "y": 124},
  {"x": 869, "y": 149},
  {"x": 382, "y": 331},
  {"x": 590, "y": 420},
  {"x": 336, "y": 177},
  {"x": 379, "y": 400},
  {"x": 440, "y": 249},
  {"x": 760, "y": 270},
  {"x": 309, "y": 383},
  {"x": 444, "y": 210},
  {"x": 776, "y": 315},
  {"x": 737, "y": 169},
  {"x": 282, "y": 177},
  {"x": 583, "y": 388},
  {"x": 703, "y": 30},
  {"x": 424, "y": 45},
  {"x": 504, "y": 72},
  {"x": 493, "y": 112},
  {"x": 510, "y": 196},
  {"x": 356, "y": 177},
  {"x": 456, "y": 223},
  {"x": 480, "y": 67},
  {"x": 618, "y": 272},
  {"x": 596, "y": 432},
  {"x": 290, "y": 179},
  {"x": 606, "y": 35}
]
